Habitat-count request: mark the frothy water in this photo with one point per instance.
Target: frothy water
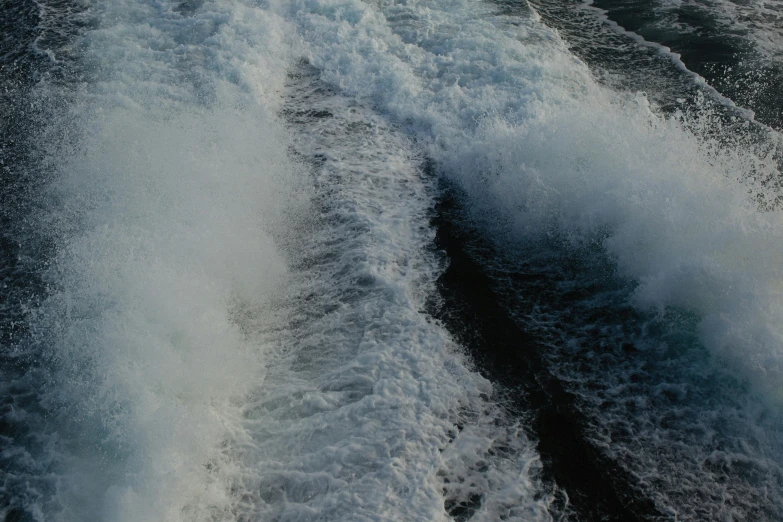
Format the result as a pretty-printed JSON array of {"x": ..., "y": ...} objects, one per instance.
[
  {"x": 205, "y": 350},
  {"x": 685, "y": 207},
  {"x": 165, "y": 245},
  {"x": 161, "y": 214},
  {"x": 231, "y": 219},
  {"x": 545, "y": 149},
  {"x": 369, "y": 410}
]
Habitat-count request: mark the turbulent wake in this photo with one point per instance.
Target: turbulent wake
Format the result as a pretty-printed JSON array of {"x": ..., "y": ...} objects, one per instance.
[{"x": 391, "y": 260}]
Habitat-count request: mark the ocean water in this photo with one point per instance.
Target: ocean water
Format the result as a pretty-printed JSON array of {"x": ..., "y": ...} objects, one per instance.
[{"x": 294, "y": 260}]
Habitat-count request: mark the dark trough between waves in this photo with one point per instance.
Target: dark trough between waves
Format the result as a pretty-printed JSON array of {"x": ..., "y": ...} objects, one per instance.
[{"x": 468, "y": 305}]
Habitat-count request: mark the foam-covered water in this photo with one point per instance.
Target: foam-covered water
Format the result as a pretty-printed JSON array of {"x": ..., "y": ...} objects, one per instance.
[
  {"x": 368, "y": 410},
  {"x": 561, "y": 155},
  {"x": 204, "y": 350},
  {"x": 237, "y": 255},
  {"x": 687, "y": 212},
  {"x": 160, "y": 214},
  {"x": 165, "y": 245}
]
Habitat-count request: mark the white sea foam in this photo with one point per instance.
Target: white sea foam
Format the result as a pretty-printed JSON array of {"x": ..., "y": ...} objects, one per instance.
[
  {"x": 161, "y": 233},
  {"x": 519, "y": 122},
  {"x": 162, "y": 213},
  {"x": 368, "y": 410},
  {"x": 675, "y": 217},
  {"x": 541, "y": 150},
  {"x": 190, "y": 375}
]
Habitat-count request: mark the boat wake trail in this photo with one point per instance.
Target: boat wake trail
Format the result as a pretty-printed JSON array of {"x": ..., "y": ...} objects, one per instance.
[{"x": 381, "y": 260}]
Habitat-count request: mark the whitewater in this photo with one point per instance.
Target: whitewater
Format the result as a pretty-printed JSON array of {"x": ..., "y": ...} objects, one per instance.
[{"x": 230, "y": 236}]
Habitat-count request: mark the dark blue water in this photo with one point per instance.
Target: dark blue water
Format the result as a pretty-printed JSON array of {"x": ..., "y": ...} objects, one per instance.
[{"x": 733, "y": 45}]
